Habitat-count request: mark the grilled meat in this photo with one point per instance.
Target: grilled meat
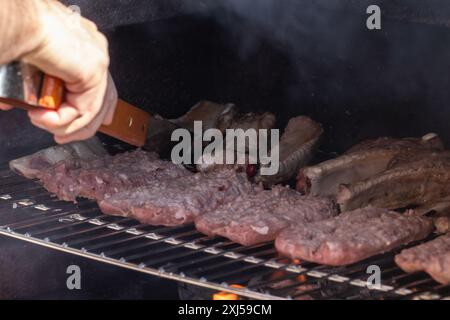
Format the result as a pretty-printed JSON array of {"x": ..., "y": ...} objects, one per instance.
[
  {"x": 423, "y": 180},
  {"x": 297, "y": 147},
  {"x": 212, "y": 115},
  {"x": 432, "y": 257},
  {"x": 439, "y": 212},
  {"x": 352, "y": 236},
  {"x": 259, "y": 216},
  {"x": 253, "y": 120},
  {"x": 361, "y": 162},
  {"x": 218, "y": 160}
]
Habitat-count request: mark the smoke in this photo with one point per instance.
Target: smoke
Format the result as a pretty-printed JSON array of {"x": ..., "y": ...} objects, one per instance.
[
  {"x": 343, "y": 71},
  {"x": 317, "y": 58},
  {"x": 315, "y": 36},
  {"x": 286, "y": 23}
]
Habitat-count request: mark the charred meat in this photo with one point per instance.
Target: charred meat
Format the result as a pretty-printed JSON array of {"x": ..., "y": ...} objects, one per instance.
[
  {"x": 212, "y": 115},
  {"x": 423, "y": 180},
  {"x": 297, "y": 146},
  {"x": 218, "y": 160},
  {"x": 253, "y": 120},
  {"x": 363, "y": 161}
]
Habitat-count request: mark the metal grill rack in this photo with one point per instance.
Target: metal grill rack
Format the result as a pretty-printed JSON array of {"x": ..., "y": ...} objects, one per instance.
[{"x": 28, "y": 212}]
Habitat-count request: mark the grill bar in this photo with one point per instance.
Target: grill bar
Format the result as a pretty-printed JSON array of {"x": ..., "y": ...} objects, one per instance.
[{"x": 29, "y": 213}]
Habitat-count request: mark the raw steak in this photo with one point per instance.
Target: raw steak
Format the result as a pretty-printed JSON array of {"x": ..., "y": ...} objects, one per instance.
[
  {"x": 432, "y": 257},
  {"x": 103, "y": 176},
  {"x": 178, "y": 201},
  {"x": 259, "y": 216},
  {"x": 352, "y": 236}
]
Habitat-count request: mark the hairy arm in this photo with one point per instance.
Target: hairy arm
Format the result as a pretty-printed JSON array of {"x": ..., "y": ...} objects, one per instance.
[
  {"x": 19, "y": 28},
  {"x": 46, "y": 34}
]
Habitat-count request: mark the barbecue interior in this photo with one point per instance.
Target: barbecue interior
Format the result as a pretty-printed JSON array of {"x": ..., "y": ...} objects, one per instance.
[{"x": 388, "y": 83}]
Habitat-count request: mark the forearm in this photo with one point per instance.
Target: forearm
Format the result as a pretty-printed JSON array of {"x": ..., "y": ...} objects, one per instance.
[
  {"x": 19, "y": 27},
  {"x": 46, "y": 34}
]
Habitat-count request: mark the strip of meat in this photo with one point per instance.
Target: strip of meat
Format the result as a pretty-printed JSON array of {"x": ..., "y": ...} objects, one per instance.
[
  {"x": 429, "y": 141},
  {"x": 361, "y": 162},
  {"x": 31, "y": 166},
  {"x": 440, "y": 213},
  {"x": 253, "y": 120},
  {"x": 432, "y": 257},
  {"x": 438, "y": 208},
  {"x": 217, "y": 160},
  {"x": 103, "y": 176},
  {"x": 297, "y": 146},
  {"x": 352, "y": 236},
  {"x": 212, "y": 115},
  {"x": 173, "y": 202},
  {"x": 259, "y": 216},
  {"x": 416, "y": 183}
]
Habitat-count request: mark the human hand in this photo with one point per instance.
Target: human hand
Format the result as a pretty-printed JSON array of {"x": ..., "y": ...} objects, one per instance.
[{"x": 72, "y": 49}]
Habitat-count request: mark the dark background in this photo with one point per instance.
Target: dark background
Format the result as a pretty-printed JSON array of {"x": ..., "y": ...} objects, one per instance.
[{"x": 315, "y": 58}]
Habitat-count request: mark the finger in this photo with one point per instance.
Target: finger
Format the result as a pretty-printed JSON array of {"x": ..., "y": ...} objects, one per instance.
[
  {"x": 5, "y": 107},
  {"x": 84, "y": 133},
  {"x": 87, "y": 131},
  {"x": 89, "y": 25},
  {"x": 54, "y": 121},
  {"x": 92, "y": 102}
]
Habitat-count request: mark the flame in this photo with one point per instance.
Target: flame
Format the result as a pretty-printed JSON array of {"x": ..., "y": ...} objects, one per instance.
[
  {"x": 222, "y": 295},
  {"x": 277, "y": 275},
  {"x": 301, "y": 278}
]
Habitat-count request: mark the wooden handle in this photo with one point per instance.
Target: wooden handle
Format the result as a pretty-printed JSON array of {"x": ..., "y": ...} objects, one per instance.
[
  {"x": 130, "y": 124},
  {"x": 52, "y": 93}
]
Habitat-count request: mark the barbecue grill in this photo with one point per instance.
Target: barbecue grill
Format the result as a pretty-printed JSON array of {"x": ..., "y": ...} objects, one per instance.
[
  {"x": 382, "y": 86},
  {"x": 30, "y": 213}
]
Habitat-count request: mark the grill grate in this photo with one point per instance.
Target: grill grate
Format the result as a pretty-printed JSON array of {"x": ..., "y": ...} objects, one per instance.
[{"x": 28, "y": 212}]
